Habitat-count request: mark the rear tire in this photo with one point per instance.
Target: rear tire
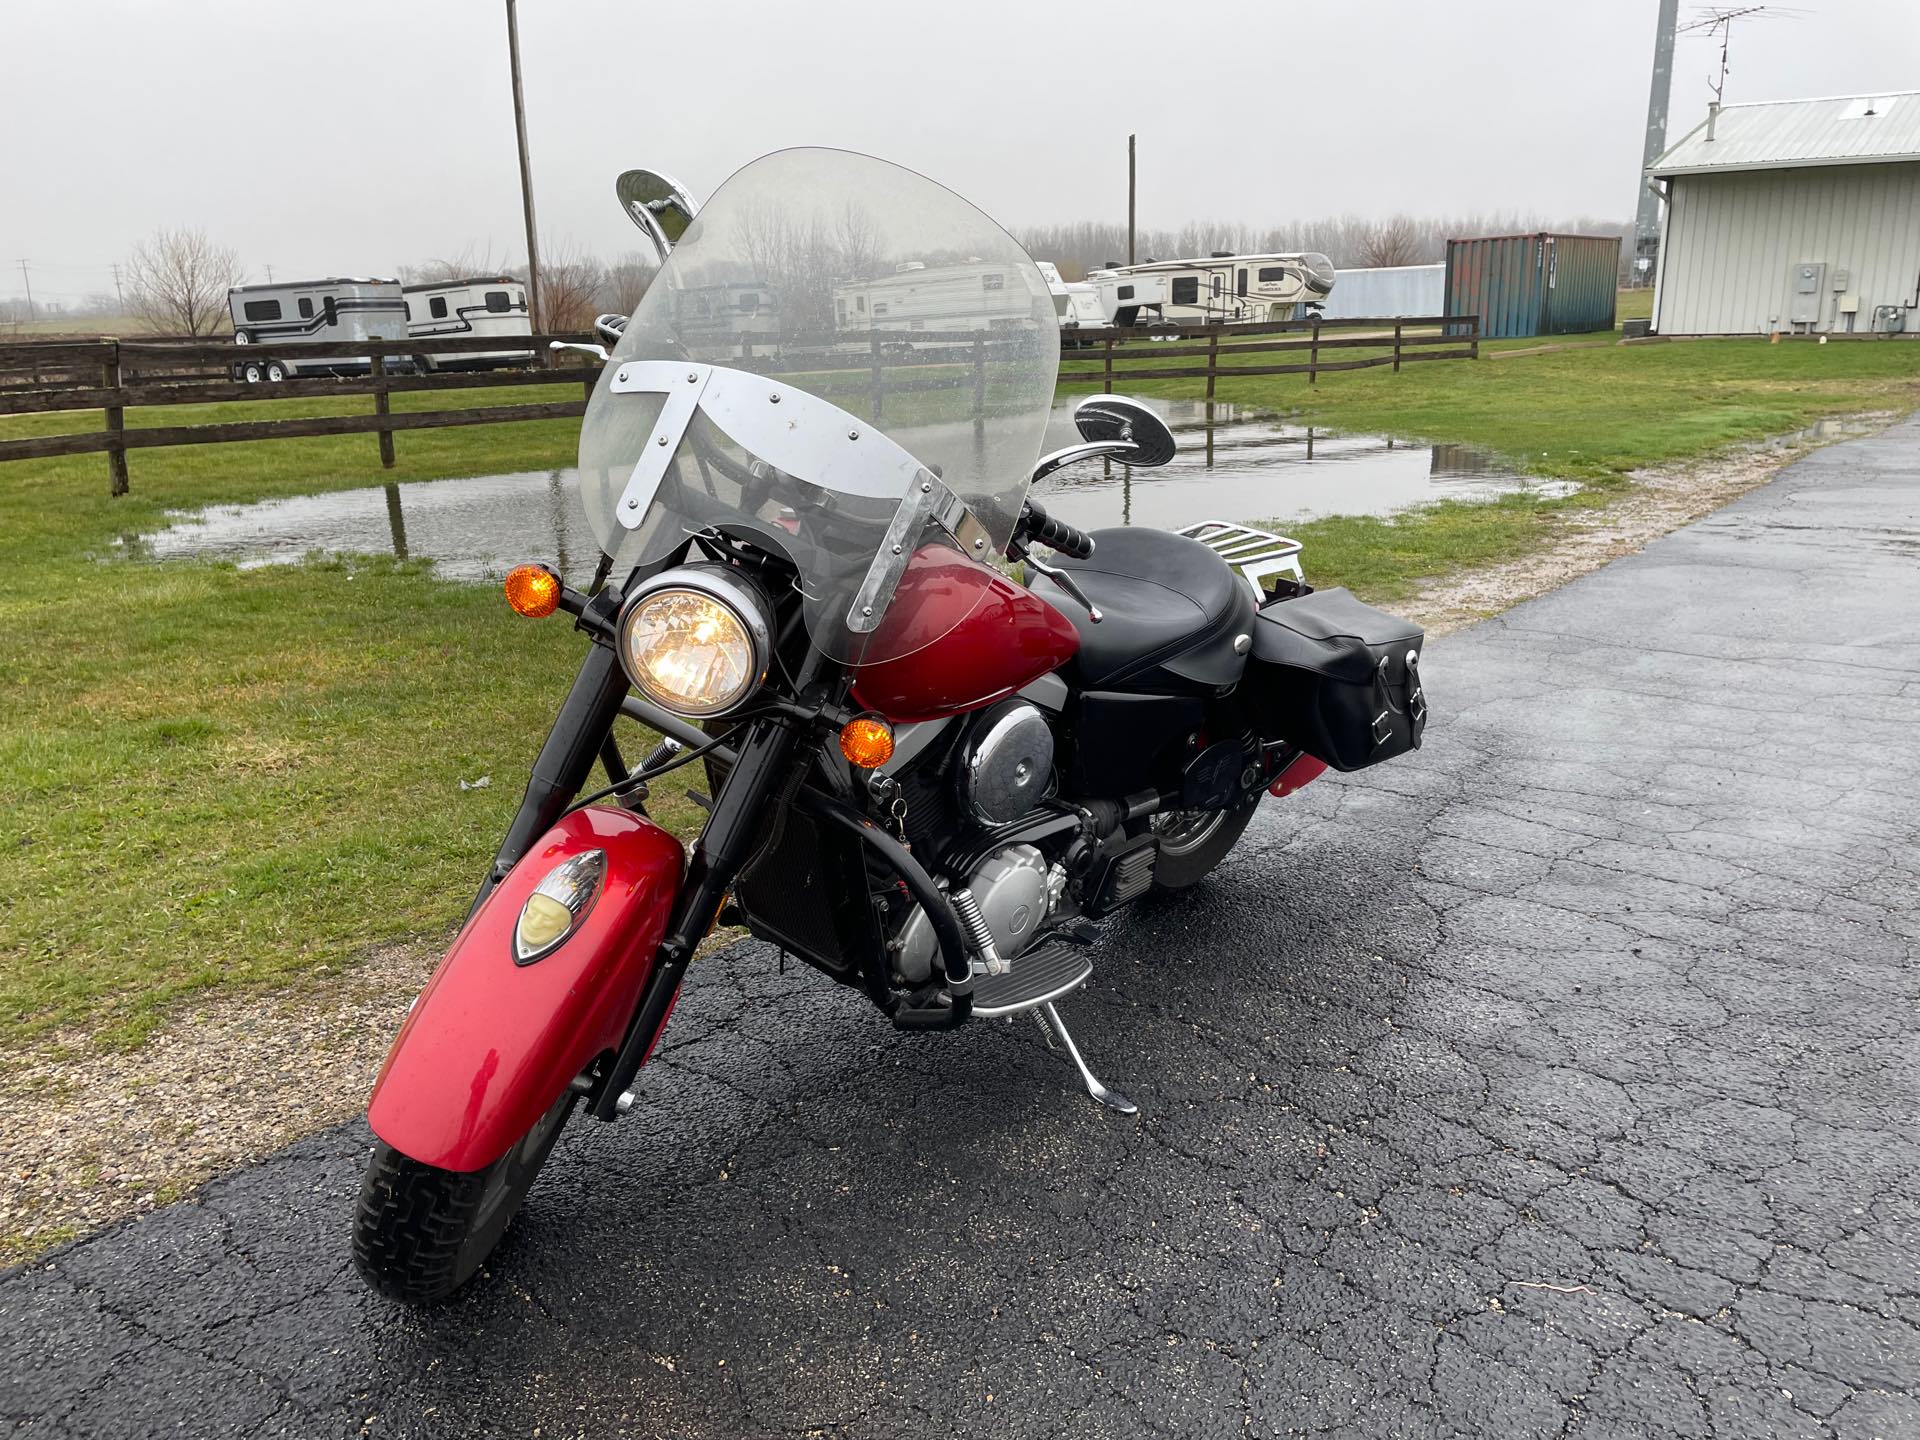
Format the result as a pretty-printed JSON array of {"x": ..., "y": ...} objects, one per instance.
[
  {"x": 419, "y": 1232},
  {"x": 1194, "y": 842}
]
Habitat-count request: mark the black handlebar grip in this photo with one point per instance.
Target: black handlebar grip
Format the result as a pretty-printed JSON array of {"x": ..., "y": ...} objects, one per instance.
[{"x": 1043, "y": 529}]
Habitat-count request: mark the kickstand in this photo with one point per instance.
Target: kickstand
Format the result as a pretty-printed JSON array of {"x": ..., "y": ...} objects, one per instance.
[{"x": 1051, "y": 1025}]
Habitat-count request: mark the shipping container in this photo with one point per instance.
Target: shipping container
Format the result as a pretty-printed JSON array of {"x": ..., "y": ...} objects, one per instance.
[
  {"x": 1387, "y": 290},
  {"x": 1534, "y": 284}
]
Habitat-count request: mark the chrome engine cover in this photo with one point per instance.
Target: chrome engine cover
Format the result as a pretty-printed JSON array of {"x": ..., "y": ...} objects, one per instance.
[
  {"x": 1006, "y": 764},
  {"x": 1013, "y": 890}
]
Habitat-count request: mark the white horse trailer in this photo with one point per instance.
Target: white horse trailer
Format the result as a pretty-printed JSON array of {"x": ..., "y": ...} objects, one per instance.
[
  {"x": 488, "y": 305},
  {"x": 1223, "y": 288},
  {"x": 314, "y": 312}
]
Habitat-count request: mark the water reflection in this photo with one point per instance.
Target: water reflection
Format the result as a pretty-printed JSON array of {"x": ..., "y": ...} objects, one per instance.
[
  {"x": 1237, "y": 463},
  {"x": 1234, "y": 463}
]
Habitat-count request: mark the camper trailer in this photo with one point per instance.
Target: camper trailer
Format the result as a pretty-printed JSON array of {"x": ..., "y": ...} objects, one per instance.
[
  {"x": 488, "y": 305},
  {"x": 1074, "y": 301},
  {"x": 936, "y": 298},
  {"x": 1223, "y": 288},
  {"x": 314, "y": 312}
]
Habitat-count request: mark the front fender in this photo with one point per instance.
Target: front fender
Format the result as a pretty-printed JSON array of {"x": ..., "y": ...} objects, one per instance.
[{"x": 490, "y": 1045}]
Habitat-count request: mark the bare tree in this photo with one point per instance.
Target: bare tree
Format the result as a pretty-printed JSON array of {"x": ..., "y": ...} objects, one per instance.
[
  {"x": 464, "y": 264},
  {"x": 626, "y": 281},
  {"x": 1394, "y": 241},
  {"x": 572, "y": 286},
  {"x": 177, "y": 281}
]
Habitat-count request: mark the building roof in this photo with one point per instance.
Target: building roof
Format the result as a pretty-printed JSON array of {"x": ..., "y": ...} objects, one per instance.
[{"x": 1837, "y": 130}]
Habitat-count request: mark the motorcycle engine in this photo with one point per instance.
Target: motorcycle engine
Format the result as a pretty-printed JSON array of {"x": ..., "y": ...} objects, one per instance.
[
  {"x": 1005, "y": 763},
  {"x": 1015, "y": 890}
]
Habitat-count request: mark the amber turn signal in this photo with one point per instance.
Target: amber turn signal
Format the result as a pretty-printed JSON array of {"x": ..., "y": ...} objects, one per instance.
[
  {"x": 533, "y": 590},
  {"x": 867, "y": 741}
]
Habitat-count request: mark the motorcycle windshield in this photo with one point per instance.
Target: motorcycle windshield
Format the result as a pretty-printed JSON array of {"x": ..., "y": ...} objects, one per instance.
[{"x": 842, "y": 362}]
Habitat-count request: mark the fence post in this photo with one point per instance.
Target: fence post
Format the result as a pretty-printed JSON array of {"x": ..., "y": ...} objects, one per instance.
[
  {"x": 1313, "y": 355},
  {"x": 1213, "y": 366},
  {"x": 380, "y": 408},
  {"x": 1106, "y": 384},
  {"x": 1476, "y": 338},
  {"x": 979, "y": 376},
  {"x": 116, "y": 421},
  {"x": 1396, "y": 347},
  {"x": 877, "y": 387}
]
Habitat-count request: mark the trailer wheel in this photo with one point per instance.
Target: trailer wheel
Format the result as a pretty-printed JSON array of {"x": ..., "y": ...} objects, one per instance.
[
  {"x": 276, "y": 372},
  {"x": 250, "y": 372}
]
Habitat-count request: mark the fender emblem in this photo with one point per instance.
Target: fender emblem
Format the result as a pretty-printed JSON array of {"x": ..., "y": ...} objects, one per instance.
[{"x": 557, "y": 906}]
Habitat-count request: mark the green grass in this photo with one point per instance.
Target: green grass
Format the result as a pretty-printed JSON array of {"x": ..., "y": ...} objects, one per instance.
[
  {"x": 1597, "y": 412},
  {"x": 213, "y": 777},
  {"x": 216, "y": 778}
]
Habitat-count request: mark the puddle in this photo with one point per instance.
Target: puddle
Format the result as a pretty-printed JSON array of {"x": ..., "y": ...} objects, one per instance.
[
  {"x": 1244, "y": 465},
  {"x": 1247, "y": 465}
]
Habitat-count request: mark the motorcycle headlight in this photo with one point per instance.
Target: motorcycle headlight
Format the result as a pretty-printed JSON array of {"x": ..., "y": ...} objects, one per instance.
[{"x": 696, "y": 640}]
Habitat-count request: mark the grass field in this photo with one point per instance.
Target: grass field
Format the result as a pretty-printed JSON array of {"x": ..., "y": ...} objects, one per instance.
[{"x": 211, "y": 777}]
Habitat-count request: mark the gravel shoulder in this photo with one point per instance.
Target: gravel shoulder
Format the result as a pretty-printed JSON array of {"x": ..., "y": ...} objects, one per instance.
[{"x": 93, "y": 1136}]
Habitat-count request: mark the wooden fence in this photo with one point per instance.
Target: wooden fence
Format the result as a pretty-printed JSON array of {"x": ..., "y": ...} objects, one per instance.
[
  {"x": 1128, "y": 355},
  {"x": 110, "y": 376}
]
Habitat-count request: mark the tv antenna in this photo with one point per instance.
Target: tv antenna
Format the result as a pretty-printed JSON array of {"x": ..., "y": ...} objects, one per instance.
[{"x": 1714, "y": 20}]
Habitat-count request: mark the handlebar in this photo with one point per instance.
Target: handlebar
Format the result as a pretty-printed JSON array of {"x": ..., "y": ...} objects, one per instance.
[{"x": 1042, "y": 529}]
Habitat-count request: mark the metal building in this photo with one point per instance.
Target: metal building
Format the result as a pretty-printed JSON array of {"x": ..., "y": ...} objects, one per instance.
[
  {"x": 1534, "y": 284},
  {"x": 1795, "y": 216}
]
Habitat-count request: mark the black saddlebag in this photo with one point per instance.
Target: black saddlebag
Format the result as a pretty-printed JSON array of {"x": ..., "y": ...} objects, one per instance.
[{"x": 1338, "y": 678}]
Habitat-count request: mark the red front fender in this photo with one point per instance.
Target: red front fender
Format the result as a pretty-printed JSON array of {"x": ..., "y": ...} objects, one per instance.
[{"x": 490, "y": 1045}]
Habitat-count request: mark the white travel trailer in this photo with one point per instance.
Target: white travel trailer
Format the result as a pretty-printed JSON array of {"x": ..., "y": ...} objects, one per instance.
[
  {"x": 314, "y": 312},
  {"x": 1075, "y": 301},
  {"x": 934, "y": 298},
  {"x": 486, "y": 305},
  {"x": 1223, "y": 288}
]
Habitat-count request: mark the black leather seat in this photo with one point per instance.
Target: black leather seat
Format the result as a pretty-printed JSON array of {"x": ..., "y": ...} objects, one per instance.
[{"x": 1172, "y": 611}]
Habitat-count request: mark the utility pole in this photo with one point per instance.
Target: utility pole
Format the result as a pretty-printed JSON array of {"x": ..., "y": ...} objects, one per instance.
[
  {"x": 526, "y": 172},
  {"x": 119, "y": 298},
  {"x": 28, "y": 281},
  {"x": 269, "y": 274},
  {"x": 1131, "y": 191},
  {"x": 1646, "y": 219}
]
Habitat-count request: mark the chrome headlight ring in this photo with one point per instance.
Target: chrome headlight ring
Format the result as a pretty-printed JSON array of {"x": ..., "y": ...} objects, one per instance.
[{"x": 696, "y": 640}]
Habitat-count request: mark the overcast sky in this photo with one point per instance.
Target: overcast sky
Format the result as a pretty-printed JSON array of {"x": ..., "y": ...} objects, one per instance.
[{"x": 355, "y": 136}]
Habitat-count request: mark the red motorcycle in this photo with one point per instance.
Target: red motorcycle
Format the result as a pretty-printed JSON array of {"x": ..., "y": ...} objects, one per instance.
[{"x": 807, "y": 462}]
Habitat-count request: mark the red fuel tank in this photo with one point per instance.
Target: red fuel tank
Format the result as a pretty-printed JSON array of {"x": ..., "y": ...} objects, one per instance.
[{"x": 964, "y": 636}]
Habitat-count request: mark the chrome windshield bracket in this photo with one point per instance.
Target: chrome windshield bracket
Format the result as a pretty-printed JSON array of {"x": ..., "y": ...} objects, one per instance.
[
  {"x": 928, "y": 501},
  {"x": 680, "y": 387}
]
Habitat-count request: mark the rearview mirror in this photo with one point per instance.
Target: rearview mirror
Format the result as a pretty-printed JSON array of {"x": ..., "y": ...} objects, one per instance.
[
  {"x": 658, "y": 204},
  {"x": 1116, "y": 420}
]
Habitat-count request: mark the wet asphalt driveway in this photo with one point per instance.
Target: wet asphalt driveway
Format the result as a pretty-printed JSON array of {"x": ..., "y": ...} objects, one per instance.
[{"x": 1562, "y": 1079}]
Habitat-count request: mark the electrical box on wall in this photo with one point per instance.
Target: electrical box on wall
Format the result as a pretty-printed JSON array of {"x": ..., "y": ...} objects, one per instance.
[
  {"x": 1841, "y": 279},
  {"x": 1847, "y": 304},
  {"x": 1804, "y": 283}
]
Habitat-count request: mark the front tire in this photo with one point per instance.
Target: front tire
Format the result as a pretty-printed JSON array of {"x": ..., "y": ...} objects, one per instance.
[
  {"x": 419, "y": 1232},
  {"x": 1194, "y": 842}
]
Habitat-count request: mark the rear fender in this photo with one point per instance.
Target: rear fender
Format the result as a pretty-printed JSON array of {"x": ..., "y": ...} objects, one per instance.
[{"x": 491, "y": 1044}]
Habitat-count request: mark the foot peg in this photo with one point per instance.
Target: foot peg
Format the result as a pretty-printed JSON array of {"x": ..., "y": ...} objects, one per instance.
[{"x": 1052, "y": 1025}]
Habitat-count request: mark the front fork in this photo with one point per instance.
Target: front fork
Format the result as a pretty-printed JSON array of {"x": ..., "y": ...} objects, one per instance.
[{"x": 580, "y": 734}]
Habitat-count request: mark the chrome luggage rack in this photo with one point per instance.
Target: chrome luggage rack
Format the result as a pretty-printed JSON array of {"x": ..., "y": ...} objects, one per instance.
[{"x": 1256, "y": 554}]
